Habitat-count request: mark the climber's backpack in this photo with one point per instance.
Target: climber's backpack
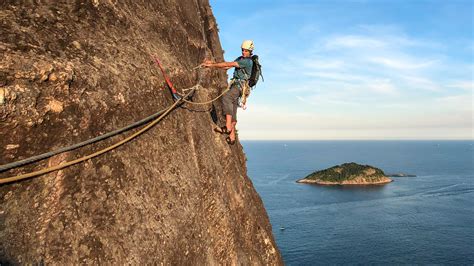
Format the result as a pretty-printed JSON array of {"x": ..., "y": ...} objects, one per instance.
[{"x": 256, "y": 72}]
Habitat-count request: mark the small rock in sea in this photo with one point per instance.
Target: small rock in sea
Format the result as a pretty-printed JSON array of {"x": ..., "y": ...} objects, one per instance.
[{"x": 401, "y": 175}]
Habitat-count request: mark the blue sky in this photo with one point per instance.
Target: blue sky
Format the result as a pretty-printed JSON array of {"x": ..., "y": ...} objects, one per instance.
[{"x": 355, "y": 69}]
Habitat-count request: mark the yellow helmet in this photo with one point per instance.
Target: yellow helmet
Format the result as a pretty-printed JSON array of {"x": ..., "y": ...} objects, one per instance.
[{"x": 248, "y": 45}]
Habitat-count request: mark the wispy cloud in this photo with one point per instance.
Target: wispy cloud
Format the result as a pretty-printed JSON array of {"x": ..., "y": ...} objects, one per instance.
[
  {"x": 354, "y": 41},
  {"x": 368, "y": 64},
  {"x": 324, "y": 100},
  {"x": 354, "y": 83},
  {"x": 339, "y": 76},
  {"x": 417, "y": 82},
  {"x": 382, "y": 86},
  {"x": 322, "y": 63},
  {"x": 400, "y": 63},
  {"x": 377, "y": 40}
]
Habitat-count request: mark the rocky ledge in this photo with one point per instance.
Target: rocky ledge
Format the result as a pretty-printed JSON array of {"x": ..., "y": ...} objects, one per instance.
[{"x": 347, "y": 174}]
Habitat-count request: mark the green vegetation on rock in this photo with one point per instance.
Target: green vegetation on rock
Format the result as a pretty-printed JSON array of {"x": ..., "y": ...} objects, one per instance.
[{"x": 348, "y": 173}]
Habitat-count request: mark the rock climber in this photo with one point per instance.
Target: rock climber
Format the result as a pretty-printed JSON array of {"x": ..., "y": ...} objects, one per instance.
[{"x": 230, "y": 101}]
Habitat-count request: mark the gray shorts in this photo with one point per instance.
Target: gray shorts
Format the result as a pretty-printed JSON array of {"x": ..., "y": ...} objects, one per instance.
[{"x": 230, "y": 102}]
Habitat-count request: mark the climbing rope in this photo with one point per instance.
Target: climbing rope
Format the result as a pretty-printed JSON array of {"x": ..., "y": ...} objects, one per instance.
[
  {"x": 36, "y": 158},
  {"x": 210, "y": 101},
  {"x": 160, "y": 114},
  {"x": 61, "y": 166}
]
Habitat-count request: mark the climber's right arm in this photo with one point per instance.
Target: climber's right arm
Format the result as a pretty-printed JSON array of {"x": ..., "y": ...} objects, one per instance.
[{"x": 223, "y": 65}]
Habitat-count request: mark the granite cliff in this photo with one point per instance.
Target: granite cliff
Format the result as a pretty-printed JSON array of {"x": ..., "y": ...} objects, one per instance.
[{"x": 73, "y": 70}]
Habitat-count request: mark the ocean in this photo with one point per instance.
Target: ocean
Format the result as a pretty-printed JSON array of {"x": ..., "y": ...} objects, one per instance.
[{"x": 414, "y": 220}]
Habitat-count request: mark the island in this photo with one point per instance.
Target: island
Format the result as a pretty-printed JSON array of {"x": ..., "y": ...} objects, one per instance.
[{"x": 347, "y": 174}]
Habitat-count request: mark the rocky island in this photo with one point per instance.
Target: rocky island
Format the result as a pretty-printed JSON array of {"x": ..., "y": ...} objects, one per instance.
[{"x": 347, "y": 174}]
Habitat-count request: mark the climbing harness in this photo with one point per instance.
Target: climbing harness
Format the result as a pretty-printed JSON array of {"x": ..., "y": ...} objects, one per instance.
[
  {"x": 245, "y": 93},
  {"x": 251, "y": 80}
]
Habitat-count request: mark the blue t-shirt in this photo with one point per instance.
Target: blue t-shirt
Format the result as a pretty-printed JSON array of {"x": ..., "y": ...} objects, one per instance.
[{"x": 245, "y": 68}]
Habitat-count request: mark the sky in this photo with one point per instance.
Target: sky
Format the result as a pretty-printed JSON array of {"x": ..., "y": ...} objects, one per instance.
[{"x": 355, "y": 69}]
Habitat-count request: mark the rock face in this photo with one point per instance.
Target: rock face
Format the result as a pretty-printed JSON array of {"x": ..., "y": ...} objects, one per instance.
[
  {"x": 347, "y": 174},
  {"x": 73, "y": 70}
]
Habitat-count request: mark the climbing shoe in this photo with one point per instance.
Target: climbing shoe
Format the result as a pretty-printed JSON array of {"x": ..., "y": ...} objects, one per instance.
[
  {"x": 229, "y": 141},
  {"x": 222, "y": 130}
]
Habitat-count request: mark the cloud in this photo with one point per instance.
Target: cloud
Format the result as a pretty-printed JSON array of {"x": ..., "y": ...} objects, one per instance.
[
  {"x": 354, "y": 41},
  {"x": 347, "y": 84},
  {"x": 382, "y": 86},
  {"x": 390, "y": 39},
  {"x": 400, "y": 63},
  {"x": 380, "y": 35},
  {"x": 386, "y": 50},
  {"x": 368, "y": 63},
  {"x": 374, "y": 64},
  {"x": 339, "y": 76},
  {"x": 422, "y": 83},
  {"x": 324, "y": 100},
  {"x": 322, "y": 63}
]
